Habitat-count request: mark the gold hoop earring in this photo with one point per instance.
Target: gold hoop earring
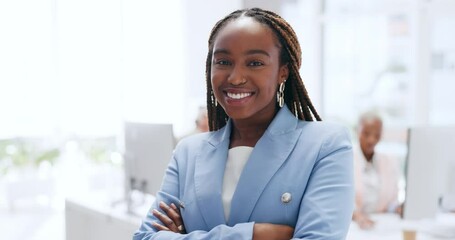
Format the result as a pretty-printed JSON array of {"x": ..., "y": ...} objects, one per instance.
[{"x": 280, "y": 94}]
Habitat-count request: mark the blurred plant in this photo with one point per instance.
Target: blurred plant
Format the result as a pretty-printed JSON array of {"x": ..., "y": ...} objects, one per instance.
[
  {"x": 23, "y": 153},
  {"x": 98, "y": 154},
  {"x": 50, "y": 156},
  {"x": 100, "y": 150}
]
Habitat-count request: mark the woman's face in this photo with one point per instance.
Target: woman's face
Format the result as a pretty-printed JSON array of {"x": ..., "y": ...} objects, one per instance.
[
  {"x": 246, "y": 69},
  {"x": 370, "y": 134}
]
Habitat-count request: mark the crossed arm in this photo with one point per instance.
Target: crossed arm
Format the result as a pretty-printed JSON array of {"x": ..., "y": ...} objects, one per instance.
[
  {"x": 165, "y": 220},
  {"x": 172, "y": 221}
]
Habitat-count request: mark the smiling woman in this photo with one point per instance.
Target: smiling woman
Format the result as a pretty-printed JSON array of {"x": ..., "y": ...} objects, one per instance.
[
  {"x": 246, "y": 71},
  {"x": 266, "y": 170}
]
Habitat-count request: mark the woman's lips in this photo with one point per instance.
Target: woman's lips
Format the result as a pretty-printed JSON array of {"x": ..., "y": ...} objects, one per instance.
[{"x": 238, "y": 96}]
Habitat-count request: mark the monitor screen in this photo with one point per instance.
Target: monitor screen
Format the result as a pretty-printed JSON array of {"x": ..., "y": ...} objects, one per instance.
[
  {"x": 430, "y": 167},
  {"x": 148, "y": 150}
]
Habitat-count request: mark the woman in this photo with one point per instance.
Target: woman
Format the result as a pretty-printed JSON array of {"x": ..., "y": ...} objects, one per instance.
[
  {"x": 266, "y": 170},
  {"x": 376, "y": 176}
]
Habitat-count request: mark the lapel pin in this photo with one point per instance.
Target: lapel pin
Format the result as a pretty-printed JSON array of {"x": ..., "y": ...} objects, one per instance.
[{"x": 286, "y": 197}]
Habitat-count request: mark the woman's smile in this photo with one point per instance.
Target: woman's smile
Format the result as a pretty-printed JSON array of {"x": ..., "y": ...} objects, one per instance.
[{"x": 237, "y": 97}]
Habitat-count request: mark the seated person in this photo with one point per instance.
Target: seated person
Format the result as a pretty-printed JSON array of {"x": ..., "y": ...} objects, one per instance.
[{"x": 375, "y": 175}]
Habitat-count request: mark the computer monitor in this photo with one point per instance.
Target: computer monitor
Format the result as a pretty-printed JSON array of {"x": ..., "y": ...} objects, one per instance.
[
  {"x": 148, "y": 150},
  {"x": 429, "y": 171}
]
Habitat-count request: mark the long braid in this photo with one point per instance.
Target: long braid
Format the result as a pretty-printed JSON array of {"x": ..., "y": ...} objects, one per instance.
[
  {"x": 284, "y": 29},
  {"x": 296, "y": 96}
]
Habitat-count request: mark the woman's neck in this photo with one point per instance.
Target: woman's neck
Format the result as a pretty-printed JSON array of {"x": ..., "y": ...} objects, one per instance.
[{"x": 247, "y": 133}]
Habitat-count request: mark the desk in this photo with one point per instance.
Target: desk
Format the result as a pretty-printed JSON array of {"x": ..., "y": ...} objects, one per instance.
[
  {"x": 96, "y": 218},
  {"x": 390, "y": 226}
]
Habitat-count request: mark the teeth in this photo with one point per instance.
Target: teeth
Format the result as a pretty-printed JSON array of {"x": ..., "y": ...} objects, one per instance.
[{"x": 238, "y": 95}]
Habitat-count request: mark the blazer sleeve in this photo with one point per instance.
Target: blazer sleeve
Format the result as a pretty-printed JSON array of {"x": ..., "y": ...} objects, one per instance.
[
  {"x": 169, "y": 193},
  {"x": 327, "y": 205}
]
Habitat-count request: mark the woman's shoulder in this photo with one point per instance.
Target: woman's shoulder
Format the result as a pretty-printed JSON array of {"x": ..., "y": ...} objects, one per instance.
[
  {"x": 190, "y": 146},
  {"x": 194, "y": 140},
  {"x": 327, "y": 137},
  {"x": 323, "y": 128}
]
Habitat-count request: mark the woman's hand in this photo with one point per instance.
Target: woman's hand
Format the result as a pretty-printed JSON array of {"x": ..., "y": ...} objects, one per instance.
[
  {"x": 363, "y": 220},
  {"x": 265, "y": 231},
  {"x": 171, "y": 218}
]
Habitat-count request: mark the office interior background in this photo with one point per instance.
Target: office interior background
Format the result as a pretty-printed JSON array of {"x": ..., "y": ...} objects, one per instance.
[{"x": 73, "y": 72}]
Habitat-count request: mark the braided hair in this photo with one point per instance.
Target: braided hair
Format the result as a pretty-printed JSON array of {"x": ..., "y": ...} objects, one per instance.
[{"x": 295, "y": 94}]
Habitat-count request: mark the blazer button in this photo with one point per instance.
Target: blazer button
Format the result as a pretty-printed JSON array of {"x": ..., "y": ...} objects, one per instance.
[{"x": 286, "y": 197}]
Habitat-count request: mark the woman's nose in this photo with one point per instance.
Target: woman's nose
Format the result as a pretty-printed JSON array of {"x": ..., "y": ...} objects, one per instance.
[{"x": 237, "y": 77}]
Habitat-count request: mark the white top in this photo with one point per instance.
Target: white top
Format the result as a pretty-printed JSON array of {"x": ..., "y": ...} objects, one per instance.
[
  {"x": 236, "y": 160},
  {"x": 372, "y": 187},
  {"x": 376, "y": 182}
]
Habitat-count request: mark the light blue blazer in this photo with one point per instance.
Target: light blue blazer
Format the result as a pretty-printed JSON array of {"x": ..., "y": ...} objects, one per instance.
[{"x": 311, "y": 161}]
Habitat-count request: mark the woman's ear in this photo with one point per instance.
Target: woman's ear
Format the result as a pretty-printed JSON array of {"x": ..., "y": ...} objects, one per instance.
[{"x": 284, "y": 72}]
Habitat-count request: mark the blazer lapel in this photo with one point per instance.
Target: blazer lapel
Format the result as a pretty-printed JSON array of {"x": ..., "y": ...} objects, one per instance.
[
  {"x": 268, "y": 155},
  {"x": 208, "y": 177}
]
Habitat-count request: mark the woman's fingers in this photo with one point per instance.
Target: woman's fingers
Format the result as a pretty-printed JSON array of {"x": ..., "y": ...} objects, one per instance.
[
  {"x": 181, "y": 224},
  {"x": 160, "y": 227},
  {"x": 173, "y": 213},
  {"x": 171, "y": 218},
  {"x": 175, "y": 208},
  {"x": 366, "y": 223},
  {"x": 168, "y": 223}
]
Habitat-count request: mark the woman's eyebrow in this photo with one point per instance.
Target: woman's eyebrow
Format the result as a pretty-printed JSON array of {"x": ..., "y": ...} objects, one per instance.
[
  {"x": 221, "y": 51},
  {"x": 249, "y": 52},
  {"x": 257, "y": 51}
]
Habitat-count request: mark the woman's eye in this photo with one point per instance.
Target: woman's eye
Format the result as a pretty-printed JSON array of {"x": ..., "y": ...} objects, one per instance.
[
  {"x": 223, "y": 62},
  {"x": 255, "y": 64}
]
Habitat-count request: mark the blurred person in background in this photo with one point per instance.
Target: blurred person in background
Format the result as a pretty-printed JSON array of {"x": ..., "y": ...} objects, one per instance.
[
  {"x": 201, "y": 123},
  {"x": 375, "y": 175}
]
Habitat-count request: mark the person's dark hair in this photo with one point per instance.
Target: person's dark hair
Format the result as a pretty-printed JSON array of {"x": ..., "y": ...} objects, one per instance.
[{"x": 295, "y": 94}]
